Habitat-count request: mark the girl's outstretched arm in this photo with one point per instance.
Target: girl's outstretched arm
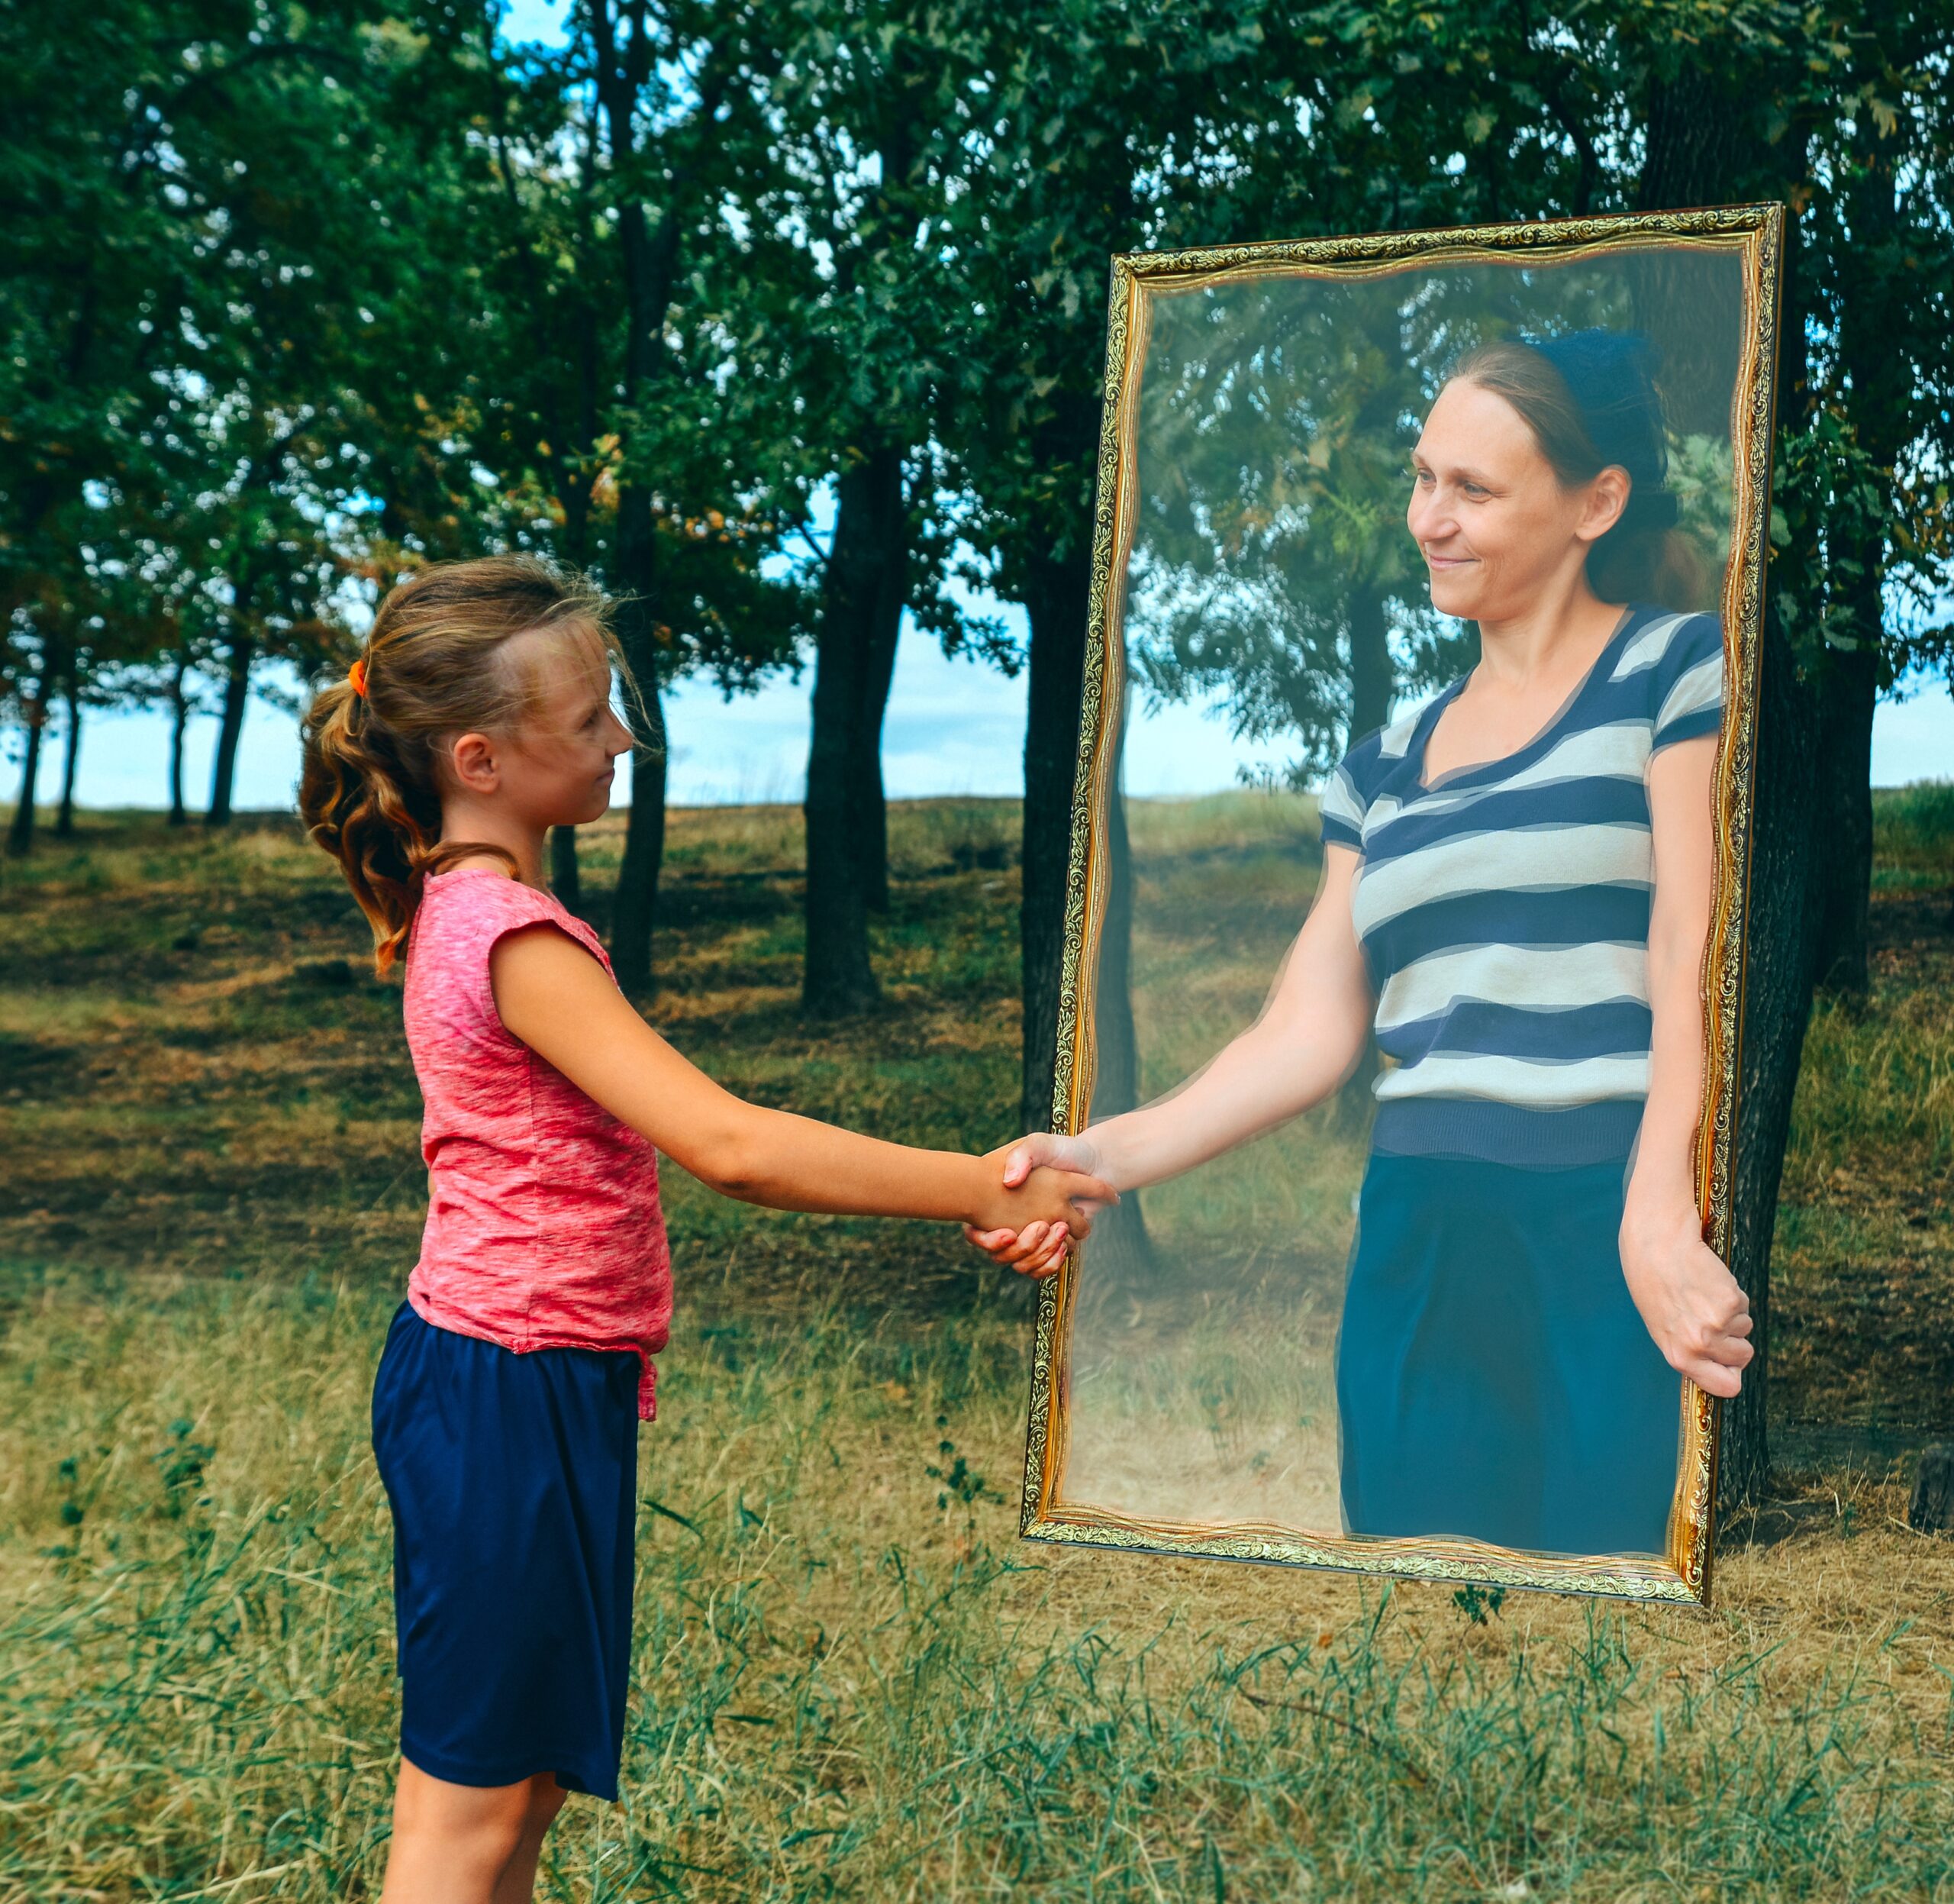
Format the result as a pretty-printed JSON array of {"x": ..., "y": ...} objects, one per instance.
[{"x": 550, "y": 993}]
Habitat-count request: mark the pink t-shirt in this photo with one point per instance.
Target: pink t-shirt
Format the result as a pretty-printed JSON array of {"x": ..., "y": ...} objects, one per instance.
[{"x": 544, "y": 1225}]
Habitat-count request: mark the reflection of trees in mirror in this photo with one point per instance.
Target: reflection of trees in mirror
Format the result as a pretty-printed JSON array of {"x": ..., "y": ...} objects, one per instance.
[
  {"x": 1272, "y": 572},
  {"x": 1122, "y": 1249}
]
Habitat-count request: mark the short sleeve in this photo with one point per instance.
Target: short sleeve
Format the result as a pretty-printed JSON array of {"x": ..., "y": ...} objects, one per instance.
[
  {"x": 1687, "y": 682},
  {"x": 510, "y": 906},
  {"x": 1341, "y": 806},
  {"x": 461, "y": 917}
]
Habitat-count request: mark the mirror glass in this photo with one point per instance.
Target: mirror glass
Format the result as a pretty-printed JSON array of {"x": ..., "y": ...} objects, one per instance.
[{"x": 1418, "y": 629}]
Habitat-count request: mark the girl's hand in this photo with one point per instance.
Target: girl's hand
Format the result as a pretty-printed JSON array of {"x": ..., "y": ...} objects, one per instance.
[
  {"x": 1036, "y": 1249},
  {"x": 1044, "y": 1195},
  {"x": 1695, "y": 1313}
]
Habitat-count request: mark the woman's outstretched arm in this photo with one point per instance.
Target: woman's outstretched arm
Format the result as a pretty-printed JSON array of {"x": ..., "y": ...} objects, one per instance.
[
  {"x": 1695, "y": 1313},
  {"x": 1304, "y": 1044}
]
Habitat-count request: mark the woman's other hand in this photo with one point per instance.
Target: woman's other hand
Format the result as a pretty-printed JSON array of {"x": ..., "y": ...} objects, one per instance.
[
  {"x": 1037, "y": 1248},
  {"x": 1695, "y": 1313}
]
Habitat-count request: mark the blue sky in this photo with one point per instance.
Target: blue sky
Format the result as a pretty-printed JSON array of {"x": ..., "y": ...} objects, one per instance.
[{"x": 953, "y": 727}]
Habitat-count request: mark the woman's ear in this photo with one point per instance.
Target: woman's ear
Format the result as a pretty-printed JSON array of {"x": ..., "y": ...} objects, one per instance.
[
  {"x": 1607, "y": 496},
  {"x": 472, "y": 760}
]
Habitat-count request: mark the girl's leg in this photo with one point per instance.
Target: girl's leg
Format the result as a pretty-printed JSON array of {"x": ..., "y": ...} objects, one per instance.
[
  {"x": 461, "y": 1844},
  {"x": 546, "y": 1800}
]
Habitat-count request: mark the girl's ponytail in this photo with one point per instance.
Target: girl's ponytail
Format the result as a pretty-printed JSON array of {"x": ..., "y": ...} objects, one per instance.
[{"x": 368, "y": 790}]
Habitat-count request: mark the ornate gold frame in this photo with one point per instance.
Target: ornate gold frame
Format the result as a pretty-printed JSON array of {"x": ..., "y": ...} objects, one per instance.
[{"x": 1756, "y": 231}]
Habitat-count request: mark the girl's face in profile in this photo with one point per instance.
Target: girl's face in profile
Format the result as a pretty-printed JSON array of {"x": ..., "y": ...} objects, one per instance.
[
  {"x": 557, "y": 769},
  {"x": 1491, "y": 517}
]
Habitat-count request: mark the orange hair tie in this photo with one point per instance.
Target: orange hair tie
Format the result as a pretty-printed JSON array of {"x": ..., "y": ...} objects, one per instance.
[{"x": 357, "y": 678}]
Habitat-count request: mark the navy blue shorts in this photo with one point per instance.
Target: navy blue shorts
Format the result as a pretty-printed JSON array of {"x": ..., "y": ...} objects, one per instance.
[
  {"x": 513, "y": 1480},
  {"x": 1494, "y": 1377}
]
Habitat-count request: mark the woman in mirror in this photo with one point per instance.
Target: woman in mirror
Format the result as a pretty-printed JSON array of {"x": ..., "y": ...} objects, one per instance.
[{"x": 1516, "y": 897}]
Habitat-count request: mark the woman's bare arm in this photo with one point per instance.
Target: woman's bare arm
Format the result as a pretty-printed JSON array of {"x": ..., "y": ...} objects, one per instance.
[
  {"x": 1304, "y": 1044},
  {"x": 1695, "y": 1312},
  {"x": 550, "y": 993}
]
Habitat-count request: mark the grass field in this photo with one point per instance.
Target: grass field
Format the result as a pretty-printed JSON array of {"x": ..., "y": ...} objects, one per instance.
[{"x": 852, "y": 1681}]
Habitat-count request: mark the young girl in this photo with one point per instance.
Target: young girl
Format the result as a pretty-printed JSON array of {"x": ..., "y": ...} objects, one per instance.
[{"x": 506, "y": 1407}]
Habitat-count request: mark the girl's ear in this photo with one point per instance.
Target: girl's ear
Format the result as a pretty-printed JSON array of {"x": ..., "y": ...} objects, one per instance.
[{"x": 473, "y": 760}]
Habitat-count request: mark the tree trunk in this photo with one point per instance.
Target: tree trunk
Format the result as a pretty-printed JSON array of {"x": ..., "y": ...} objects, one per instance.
[
  {"x": 1373, "y": 679},
  {"x": 871, "y": 803},
  {"x": 563, "y": 878},
  {"x": 1055, "y": 602},
  {"x": 1122, "y": 1249},
  {"x": 634, "y": 909},
  {"x": 1844, "y": 766},
  {"x": 1776, "y": 1007},
  {"x": 1702, "y": 150},
  {"x": 64, "y": 819},
  {"x": 867, "y": 574},
  {"x": 179, "y": 721},
  {"x": 19, "y": 835},
  {"x": 237, "y": 698},
  {"x": 1877, "y": 396}
]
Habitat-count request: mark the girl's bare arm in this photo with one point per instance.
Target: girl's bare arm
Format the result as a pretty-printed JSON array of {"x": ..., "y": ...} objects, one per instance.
[{"x": 550, "y": 993}]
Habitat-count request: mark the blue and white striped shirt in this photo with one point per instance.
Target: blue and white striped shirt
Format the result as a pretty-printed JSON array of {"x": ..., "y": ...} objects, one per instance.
[{"x": 1503, "y": 913}]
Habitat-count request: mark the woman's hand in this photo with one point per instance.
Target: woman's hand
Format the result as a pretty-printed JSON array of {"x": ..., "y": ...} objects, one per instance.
[
  {"x": 1037, "y": 1204},
  {"x": 1695, "y": 1311},
  {"x": 1036, "y": 1249}
]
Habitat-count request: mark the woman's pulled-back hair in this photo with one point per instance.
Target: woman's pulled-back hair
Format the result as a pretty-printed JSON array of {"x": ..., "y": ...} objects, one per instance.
[
  {"x": 1589, "y": 398},
  {"x": 433, "y": 669}
]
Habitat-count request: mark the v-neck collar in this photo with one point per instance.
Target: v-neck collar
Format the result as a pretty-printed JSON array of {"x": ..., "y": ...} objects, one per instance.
[{"x": 1633, "y": 617}]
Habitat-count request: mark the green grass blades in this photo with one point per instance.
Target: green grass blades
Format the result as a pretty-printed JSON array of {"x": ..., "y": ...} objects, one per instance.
[{"x": 851, "y": 1680}]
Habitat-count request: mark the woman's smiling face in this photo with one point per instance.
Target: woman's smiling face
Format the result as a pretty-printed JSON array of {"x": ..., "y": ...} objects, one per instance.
[{"x": 1494, "y": 523}]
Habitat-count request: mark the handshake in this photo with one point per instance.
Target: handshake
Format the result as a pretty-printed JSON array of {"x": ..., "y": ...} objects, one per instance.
[{"x": 1033, "y": 1171}]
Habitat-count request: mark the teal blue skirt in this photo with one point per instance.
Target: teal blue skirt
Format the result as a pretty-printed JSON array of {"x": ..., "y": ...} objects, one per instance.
[{"x": 1494, "y": 1378}]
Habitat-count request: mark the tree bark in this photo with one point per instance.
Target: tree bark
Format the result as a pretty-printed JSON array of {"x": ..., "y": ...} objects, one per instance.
[
  {"x": 1844, "y": 768},
  {"x": 1699, "y": 151},
  {"x": 564, "y": 881},
  {"x": 1777, "y": 1005},
  {"x": 20, "y": 834},
  {"x": 179, "y": 721},
  {"x": 870, "y": 798},
  {"x": 1373, "y": 679},
  {"x": 634, "y": 909},
  {"x": 1878, "y": 399},
  {"x": 230, "y": 728},
  {"x": 854, "y": 650},
  {"x": 1055, "y": 602},
  {"x": 64, "y": 818}
]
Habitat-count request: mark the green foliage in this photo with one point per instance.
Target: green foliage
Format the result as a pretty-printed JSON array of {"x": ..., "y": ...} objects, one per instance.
[{"x": 291, "y": 299}]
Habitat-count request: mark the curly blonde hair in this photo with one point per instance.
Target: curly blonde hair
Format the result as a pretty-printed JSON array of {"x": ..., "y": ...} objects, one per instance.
[{"x": 434, "y": 669}]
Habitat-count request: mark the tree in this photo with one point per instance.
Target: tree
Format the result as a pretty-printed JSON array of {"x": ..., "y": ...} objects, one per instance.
[{"x": 876, "y": 100}]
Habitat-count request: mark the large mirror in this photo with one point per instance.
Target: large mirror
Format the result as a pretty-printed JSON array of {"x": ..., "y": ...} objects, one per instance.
[{"x": 1428, "y": 569}]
